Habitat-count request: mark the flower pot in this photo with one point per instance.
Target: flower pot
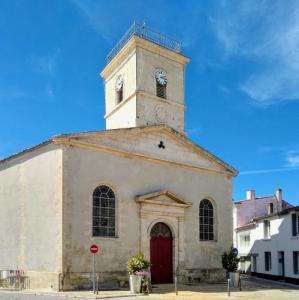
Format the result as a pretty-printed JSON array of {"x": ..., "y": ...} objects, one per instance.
[
  {"x": 135, "y": 283},
  {"x": 234, "y": 278}
]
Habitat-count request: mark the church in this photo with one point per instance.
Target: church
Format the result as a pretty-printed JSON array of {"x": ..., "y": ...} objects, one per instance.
[{"x": 141, "y": 185}]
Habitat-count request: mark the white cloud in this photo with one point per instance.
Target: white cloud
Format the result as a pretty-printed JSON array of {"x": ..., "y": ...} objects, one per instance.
[
  {"x": 12, "y": 93},
  {"x": 289, "y": 159},
  {"x": 49, "y": 91},
  {"x": 264, "y": 171},
  {"x": 195, "y": 130},
  {"x": 111, "y": 20},
  {"x": 46, "y": 64},
  {"x": 266, "y": 33},
  {"x": 224, "y": 89},
  {"x": 292, "y": 159},
  {"x": 100, "y": 18}
]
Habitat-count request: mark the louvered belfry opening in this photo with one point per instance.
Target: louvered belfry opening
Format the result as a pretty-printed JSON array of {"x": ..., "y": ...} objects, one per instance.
[
  {"x": 120, "y": 95},
  {"x": 161, "y": 90}
]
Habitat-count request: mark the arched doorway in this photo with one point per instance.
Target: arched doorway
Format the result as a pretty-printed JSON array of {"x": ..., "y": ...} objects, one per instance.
[{"x": 161, "y": 253}]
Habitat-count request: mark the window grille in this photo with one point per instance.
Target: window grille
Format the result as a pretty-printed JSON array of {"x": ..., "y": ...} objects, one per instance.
[
  {"x": 254, "y": 263},
  {"x": 206, "y": 220},
  {"x": 119, "y": 95},
  {"x": 161, "y": 230},
  {"x": 161, "y": 90},
  {"x": 296, "y": 262},
  {"x": 245, "y": 240},
  {"x": 103, "y": 212},
  {"x": 295, "y": 224}
]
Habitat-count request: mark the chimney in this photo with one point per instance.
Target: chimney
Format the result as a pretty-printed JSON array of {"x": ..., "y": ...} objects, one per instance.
[
  {"x": 270, "y": 208},
  {"x": 250, "y": 195},
  {"x": 278, "y": 194}
]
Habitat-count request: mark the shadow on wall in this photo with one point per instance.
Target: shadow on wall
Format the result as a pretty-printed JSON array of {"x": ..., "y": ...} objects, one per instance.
[{"x": 272, "y": 257}]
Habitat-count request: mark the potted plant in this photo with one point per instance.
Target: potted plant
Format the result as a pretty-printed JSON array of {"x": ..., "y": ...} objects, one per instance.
[
  {"x": 137, "y": 265},
  {"x": 230, "y": 263}
]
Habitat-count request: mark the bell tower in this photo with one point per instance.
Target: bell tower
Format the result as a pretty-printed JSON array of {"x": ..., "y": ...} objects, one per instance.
[{"x": 144, "y": 81}]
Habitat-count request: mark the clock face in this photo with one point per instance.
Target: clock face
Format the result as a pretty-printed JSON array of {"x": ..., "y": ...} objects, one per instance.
[
  {"x": 119, "y": 83},
  {"x": 160, "y": 76}
]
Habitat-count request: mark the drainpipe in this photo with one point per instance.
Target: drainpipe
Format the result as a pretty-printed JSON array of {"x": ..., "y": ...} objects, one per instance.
[{"x": 60, "y": 275}]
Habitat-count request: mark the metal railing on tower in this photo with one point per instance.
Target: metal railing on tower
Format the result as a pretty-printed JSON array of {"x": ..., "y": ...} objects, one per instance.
[{"x": 139, "y": 29}]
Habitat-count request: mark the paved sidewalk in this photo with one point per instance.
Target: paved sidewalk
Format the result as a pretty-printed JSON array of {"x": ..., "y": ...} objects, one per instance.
[
  {"x": 73, "y": 294},
  {"x": 252, "y": 289}
]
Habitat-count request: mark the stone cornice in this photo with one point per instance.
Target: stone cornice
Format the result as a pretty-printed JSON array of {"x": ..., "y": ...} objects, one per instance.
[
  {"x": 123, "y": 153},
  {"x": 73, "y": 139},
  {"x": 177, "y": 214},
  {"x": 144, "y": 94},
  {"x": 162, "y": 100},
  {"x": 176, "y": 200},
  {"x": 161, "y": 203},
  {"x": 135, "y": 42},
  {"x": 120, "y": 105}
]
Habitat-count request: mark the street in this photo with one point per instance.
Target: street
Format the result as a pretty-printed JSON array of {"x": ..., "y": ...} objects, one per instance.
[{"x": 252, "y": 289}]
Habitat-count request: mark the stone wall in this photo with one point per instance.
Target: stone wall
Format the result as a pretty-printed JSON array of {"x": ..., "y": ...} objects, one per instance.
[
  {"x": 84, "y": 170},
  {"x": 30, "y": 223}
]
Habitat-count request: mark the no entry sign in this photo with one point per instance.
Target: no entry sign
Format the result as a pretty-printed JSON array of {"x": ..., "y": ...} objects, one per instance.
[{"x": 94, "y": 248}]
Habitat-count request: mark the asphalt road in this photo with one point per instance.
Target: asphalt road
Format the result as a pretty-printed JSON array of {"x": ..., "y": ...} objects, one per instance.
[
  {"x": 19, "y": 296},
  {"x": 253, "y": 289},
  {"x": 15, "y": 296}
]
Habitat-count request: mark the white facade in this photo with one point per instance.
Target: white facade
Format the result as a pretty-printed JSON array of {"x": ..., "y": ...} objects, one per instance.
[
  {"x": 50, "y": 214},
  {"x": 252, "y": 207},
  {"x": 267, "y": 244},
  {"x": 136, "y": 65}
]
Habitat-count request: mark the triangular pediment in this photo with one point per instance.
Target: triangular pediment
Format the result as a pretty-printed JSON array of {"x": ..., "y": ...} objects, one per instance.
[
  {"x": 165, "y": 198},
  {"x": 158, "y": 143}
]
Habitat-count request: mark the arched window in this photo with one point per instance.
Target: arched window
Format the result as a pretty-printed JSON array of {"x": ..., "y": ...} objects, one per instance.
[
  {"x": 206, "y": 220},
  {"x": 161, "y": 230},
  {"x": 161, "y": 82},
  {"x": 120, "y": 94},
  {"x": 103, "y": 212},
  {"x": 161, "y": 90},
  {"x": 119, "y": 85}
]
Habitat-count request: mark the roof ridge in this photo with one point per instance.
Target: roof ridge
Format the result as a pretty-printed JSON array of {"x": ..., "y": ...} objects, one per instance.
[{"x": 182, "y": 137}]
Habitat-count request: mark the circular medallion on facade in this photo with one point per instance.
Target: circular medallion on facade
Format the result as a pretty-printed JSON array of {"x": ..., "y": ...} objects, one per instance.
[{"x": 161, "y": 114}]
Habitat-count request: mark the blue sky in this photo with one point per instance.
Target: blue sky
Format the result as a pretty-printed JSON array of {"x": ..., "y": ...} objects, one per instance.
[{"x": 242, "y": 84}]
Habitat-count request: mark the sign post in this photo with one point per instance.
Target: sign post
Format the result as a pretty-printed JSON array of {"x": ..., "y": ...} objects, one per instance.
[
  {"x": 235, "y": 251},
  {"x": 94, "y": 249}
]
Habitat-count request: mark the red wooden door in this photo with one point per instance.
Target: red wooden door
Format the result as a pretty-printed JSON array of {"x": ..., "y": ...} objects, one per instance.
[{"x": 161, "y": 259}]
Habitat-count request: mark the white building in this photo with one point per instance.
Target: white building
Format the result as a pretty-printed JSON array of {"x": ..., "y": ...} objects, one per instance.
[
  {"x": 267, "y": 236},
  {"x": 139, "y": 185}
]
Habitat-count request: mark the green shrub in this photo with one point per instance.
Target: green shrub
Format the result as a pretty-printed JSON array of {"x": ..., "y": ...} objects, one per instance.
[
  {"x": 137, "y": 263},
  {"x": 230, "y": 260}
]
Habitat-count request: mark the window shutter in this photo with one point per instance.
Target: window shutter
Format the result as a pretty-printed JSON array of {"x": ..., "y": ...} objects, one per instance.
[
  {"x": 295, "y": 261},
  {"x": 161, "y": 90},
  {"x": 294, "y": 227},
  {"x": 266, "y": 261}
]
